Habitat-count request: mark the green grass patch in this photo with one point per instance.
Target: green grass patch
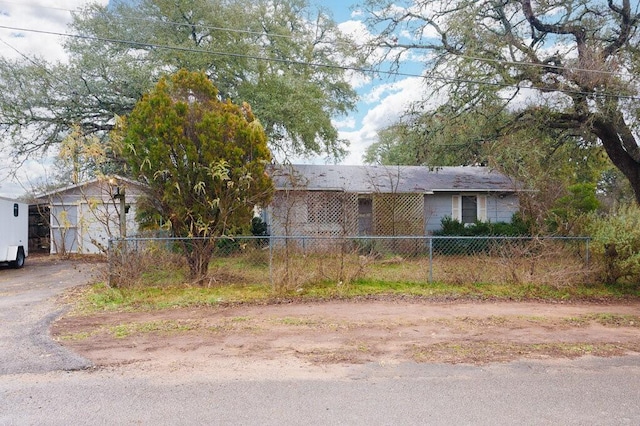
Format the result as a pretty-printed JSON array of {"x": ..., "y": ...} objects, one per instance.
[
  {"x": 164, "y": 277},
  {"x": 158, "y": 280},
  {"x": 616, "y": 320},
  {"x": 101, "y": 297}
]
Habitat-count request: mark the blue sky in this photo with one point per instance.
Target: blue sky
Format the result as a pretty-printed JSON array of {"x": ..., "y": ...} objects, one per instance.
[
  {"x": 381, "y": 101},
  {"x": 341, "y": 9}
]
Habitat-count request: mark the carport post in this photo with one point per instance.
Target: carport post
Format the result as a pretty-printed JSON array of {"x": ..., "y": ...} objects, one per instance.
[
  {"x": 118, "y": 194},
  {"x": 123, "y": 217}
]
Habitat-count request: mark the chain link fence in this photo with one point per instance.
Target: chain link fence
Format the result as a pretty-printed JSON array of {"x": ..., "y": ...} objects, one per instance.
[{"x": 293, "y": 262}]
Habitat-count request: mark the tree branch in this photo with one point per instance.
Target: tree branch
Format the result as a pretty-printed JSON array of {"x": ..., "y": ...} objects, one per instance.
[
  {"x": 627, "y": 24},
  {"x": 577, "y": 31}
]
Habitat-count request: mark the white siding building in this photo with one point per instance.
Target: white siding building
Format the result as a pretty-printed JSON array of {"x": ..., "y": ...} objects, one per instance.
[{"x": 83, "y": 217}]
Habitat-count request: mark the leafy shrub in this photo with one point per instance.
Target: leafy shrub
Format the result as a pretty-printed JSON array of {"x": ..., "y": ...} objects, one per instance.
[
  {"x": 566, "y": 217},
  {"x": 259, "y": 228},
  {"x": 467, "y": 246},
  {"x": 616, "y": 240},
  {"x": 452, "y": 227},
  {"x": 226, "y": 246}
]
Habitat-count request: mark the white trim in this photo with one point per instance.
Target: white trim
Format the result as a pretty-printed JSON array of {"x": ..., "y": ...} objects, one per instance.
[
  {"x": 98, "y": 180},
  {"x": 481, "y": 206},
  {"x": 481, "y": 213},
  {"x": 456, "y": 207}
]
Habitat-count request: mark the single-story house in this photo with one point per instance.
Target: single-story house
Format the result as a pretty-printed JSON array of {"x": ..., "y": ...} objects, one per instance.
[
  {"x": 334, "y": 200},
  {"x": 310, "y": 200},
  {"x": 83, "y": 217}
]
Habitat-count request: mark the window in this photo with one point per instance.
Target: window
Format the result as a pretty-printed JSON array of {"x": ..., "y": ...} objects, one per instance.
[{"x": 469, "y": 208}]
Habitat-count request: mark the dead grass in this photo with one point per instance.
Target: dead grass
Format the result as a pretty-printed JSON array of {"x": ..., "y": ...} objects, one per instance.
[
  {"x": 466, "y": 352},
  {"x": 157, "y": 265},
  {"x": 292, "y": 270}
]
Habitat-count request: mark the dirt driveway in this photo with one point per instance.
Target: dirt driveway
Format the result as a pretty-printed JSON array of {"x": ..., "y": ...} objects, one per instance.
[{"x": 337, "y": 334}]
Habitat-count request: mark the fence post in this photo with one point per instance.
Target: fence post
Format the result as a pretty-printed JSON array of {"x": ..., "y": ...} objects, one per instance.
[
  {"x": 271, "y": 262},
  {"x": 587, "y": 254},
  {"x": 109, "y": 261},
  {"x": 587, "y": 257},
  {"x": 430, "y": 259}
]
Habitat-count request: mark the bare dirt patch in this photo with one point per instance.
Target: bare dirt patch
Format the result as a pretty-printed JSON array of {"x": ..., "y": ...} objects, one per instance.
[{"x": 348, "y": 333}]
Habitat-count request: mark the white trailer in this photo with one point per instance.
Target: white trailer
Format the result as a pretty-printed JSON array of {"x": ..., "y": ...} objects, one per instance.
[{"x": 14, "y": 232}]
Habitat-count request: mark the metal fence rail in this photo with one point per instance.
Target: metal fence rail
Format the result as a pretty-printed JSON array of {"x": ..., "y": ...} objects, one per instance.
[{"x": 294, "y": 261}]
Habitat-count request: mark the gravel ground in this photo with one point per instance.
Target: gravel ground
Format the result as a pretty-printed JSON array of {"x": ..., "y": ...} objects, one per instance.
[{"x": 27, "y": 309}]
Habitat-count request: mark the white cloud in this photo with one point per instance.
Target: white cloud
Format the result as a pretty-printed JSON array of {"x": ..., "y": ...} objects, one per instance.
[
  {"x": 357, "y": 79},
  {"x": 357, "y": 30},
  {"x": 345, "y": 123},
  {"x": 357, "y": 13},
  {"x": 390, "y": 101},
  {"x": 40, "y": 15},
  {"x": 387, "y": 102},
  {"x": 31, "y": 174}
]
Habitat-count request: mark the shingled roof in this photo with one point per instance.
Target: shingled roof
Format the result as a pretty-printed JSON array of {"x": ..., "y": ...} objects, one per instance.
[{"x": 390, "y": 179}]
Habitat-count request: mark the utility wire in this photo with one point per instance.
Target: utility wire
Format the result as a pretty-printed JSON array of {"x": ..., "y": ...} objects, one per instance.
[
  {"x": 29, "y": 59},
  {"x": 395, "y": 73},
  {"x": 292, "y": 37},
  {"x": 175, "y": 23}
]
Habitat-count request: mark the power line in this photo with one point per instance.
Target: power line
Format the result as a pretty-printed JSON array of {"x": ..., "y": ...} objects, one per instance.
[
  {"x": 27, "y": 58},
  {"x": 182, "y": 24},
  {"x": 292, "y": 37},
  {"x": 395, "y": 73}
]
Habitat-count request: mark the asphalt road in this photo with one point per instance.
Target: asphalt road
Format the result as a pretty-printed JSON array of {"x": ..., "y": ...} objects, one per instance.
[
  {"x": 585, "y": 392},
  {"x": 42, "y": 384}
]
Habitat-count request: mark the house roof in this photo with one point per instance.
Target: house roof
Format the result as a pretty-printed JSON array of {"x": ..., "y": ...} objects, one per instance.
[
  {"x": 390, "y": 179},
  {"x": 13, "y": 200},
  {"x": 100, "y": 180}
]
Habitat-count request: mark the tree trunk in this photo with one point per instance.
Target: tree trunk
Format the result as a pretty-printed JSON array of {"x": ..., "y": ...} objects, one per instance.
[
  {"x": 198, "y": 254},
  {"x": 615, "y": 137}
]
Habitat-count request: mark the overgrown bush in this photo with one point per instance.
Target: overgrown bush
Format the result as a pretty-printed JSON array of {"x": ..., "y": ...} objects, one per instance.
[
  {"x": 466, "y": 246},
  {"x": 567, "y": 216},
  {"x": 259, "y": 228},
  {"x": 616, "y": 241},
  {"x": 156, "y": 264},
  {"x": 452, "y": 227},
  {"x": 227, "y": 246}
]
